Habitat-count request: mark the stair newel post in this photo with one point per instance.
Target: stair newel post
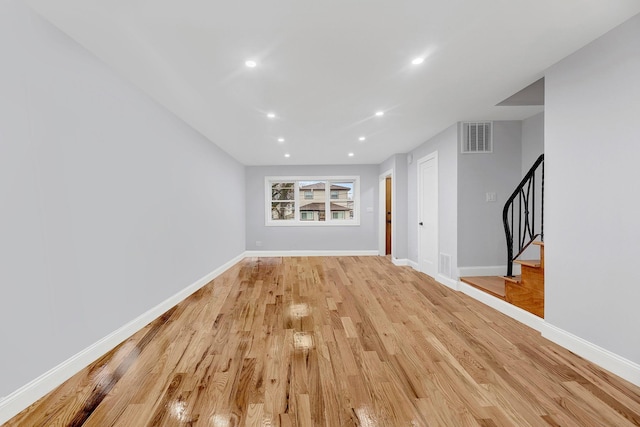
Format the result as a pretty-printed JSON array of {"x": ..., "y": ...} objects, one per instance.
[
  {"x": 508, "y": 227},
  {"x": 520, "y": 217},
  {"x": 533, "y": 203}
]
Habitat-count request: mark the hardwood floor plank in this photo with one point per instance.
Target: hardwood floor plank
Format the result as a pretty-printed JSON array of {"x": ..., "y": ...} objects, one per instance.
[{"x": 335, "y": 341}]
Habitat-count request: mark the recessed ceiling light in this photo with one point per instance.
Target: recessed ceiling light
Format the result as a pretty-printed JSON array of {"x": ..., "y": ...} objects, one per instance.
[
  {"x": 380, "y": 113},
  {"x": 362, "y": 138},
  {"x": 287, "y": 155},
  {"x": 417, "y": 61},
  {"x": 271, "y": 115},
  {"x": 351, "y": 154},
  {"x": 280, "y": 139},
  {"x": 250, "y": 63}
]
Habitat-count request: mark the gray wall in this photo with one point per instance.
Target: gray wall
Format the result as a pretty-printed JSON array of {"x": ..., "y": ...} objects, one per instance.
[
  {"x": 362, "y": 237},
  {"x": 592, "y": 150},
  {"x": 110, "y": 204},
  {"x": 532, "y": 140},
  {"x": 446, "y": 144},
  {"x": 481, "y": 239},
  {"x": 400, "y": 188}
]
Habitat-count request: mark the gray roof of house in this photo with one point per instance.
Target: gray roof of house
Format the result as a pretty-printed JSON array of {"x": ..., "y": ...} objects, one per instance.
[
  {"x": 320, "y": 207},
  {"x": 320, "y": 186}
]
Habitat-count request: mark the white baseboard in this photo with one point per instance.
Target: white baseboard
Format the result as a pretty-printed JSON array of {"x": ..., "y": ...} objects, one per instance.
[
  {"x": 620, "y": 366},
  {"x": 444, "y": 280},
  {"x": 267, "y": 254},
  {"x": 20, "y": 399},
  {"x": 504, "y": 307},
  {"x": 447, "y": 281},
  {"x": 493, "y": 270},
  {"x": 401, "y": 262}
]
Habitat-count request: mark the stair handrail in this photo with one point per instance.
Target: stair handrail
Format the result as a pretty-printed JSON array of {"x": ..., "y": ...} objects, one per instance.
[{"x": 527, "y": 230}]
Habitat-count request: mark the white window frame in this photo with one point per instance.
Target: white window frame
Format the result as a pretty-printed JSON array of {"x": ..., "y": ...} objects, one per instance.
[{"x": 296, "y": 221}]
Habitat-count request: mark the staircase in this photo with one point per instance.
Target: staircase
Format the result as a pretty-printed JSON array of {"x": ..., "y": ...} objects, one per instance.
[
  {"x": 522, "y": 230},
  {"x": 527, "y": 290}
]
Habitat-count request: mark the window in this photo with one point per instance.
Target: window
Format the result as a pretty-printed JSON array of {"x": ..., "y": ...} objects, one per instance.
[
  {"x": 281, "y": 203},
  {"x": 342, "y": 205},
  {"x": 292, "y": 201}
]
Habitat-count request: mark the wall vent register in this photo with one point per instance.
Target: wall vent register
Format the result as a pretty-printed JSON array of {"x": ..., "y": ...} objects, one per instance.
[{"x": 476, "y": 137}]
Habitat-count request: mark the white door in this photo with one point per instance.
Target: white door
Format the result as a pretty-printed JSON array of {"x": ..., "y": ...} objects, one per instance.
[{"x": 428, "y": 214}]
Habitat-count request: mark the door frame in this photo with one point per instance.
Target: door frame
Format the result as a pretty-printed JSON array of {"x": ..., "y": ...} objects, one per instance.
[
  {"x": 419, "y": 163},
  {"x": 382, "y": 213}
]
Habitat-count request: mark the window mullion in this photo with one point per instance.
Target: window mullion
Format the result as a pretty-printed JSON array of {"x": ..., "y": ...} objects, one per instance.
[
  {"x": 296, "y": 201},
  {"x": 327, "y": 201}
]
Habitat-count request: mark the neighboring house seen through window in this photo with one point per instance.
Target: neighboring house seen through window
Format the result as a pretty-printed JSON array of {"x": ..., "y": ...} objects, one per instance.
[{"x": 292, "y": 201}]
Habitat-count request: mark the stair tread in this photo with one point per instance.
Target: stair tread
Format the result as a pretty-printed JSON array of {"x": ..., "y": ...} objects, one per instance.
[
  {"x": 529, "y": 262},
  {"x": 493, "y": 285},
  {"x": 514, "y": 279},
  {"x": 538, "y": 242}
]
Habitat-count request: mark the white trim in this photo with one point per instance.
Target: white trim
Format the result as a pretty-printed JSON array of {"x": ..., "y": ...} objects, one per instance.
[
  {"x": 447, "y": 281},
  {"x": 428, "y": 157},
  {"x": 502, "y": 306},
  {"x": 20, "y": 399},
  {"x": 608, "y": 360},
  {"x": 602, "y": 357},
  {"x": 493, "y": 270},
  {"x": 399, "y": 262},
  {"x": 267, "y": 254}
]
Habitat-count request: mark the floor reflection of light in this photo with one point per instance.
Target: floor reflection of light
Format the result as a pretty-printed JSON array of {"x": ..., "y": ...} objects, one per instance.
[
  {"x": 299, "y": 310},
  {"x": 302, "y": 341},
  {"x": 220, "y": 421},
  {"x": 366, "y": 417},
  {"x": 178, "y": 410},
  {"x": 104, "y": 375}
]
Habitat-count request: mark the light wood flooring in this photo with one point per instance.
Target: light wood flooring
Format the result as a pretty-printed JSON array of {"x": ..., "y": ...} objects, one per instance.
[{"x": 349, "y": 341}]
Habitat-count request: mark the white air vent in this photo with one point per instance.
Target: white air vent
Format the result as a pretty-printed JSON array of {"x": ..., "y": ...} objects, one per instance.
[
  {"x": 476, "y": 137},
  {"x": 445, "y": 265}
]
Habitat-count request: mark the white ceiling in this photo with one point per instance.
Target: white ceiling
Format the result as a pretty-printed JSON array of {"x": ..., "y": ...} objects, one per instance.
[{"x": 325, "y": 67}]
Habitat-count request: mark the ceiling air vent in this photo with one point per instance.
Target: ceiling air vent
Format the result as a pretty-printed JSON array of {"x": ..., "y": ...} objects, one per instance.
[{"x": 476, "y": 137}]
